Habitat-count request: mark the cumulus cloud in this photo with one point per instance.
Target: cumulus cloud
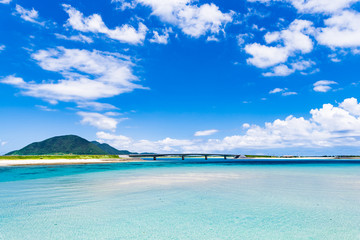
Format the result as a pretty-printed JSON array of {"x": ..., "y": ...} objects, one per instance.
[
  {"x": 323, "y": 85},
  {"x": 2, "y": 143},
  {"x": 287, "y": 43},
  {"x": 87, "y": 75},
  {"x": 45, "y": 108},
  {"x": 96, "y": 106},
  {"x": 205, "y": 132},
  {"x": 124, "y": 4},
  {"x": 351, "y": 105},
  {"x": 315, "y": 6},
  {"x": 100, "y": 121},
  {"x": 94, "y": 23},
  {"x": 5, "y": 1},
  {"x": 78, "y": 38},
  {"x": 328, "y": 126},
  {"x": 124, "y": 142},
  {"x": 160, "y": 38},
  {"x": 342, "y": 30},
  {"x": 212, "y": 39},
  {"x": 277, "y": 90},
  {"x": 283, "y": 70},
  {"x": 321, "y": 6},
  {"x": 2, "y": 47},
  {"x": 283, "y": 91},
  {"x": 28, "y": 15},
  {"x": 192, "y": 19},
  {"x": 12, "y": 80},
  {"x": 289, "y": 93}
]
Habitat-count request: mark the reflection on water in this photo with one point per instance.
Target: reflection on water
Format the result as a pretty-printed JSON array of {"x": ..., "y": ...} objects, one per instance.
[{"x": 171, "y": 200}]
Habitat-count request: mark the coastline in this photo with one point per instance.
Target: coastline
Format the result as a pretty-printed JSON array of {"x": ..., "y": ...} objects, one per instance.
[
  {"x": 31, "y": 162},
  {"x": 81, "y": 161}
]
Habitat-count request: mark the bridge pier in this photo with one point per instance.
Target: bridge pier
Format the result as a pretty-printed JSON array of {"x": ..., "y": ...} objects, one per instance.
[
  {"x": 224, "y": 157},
  {"x": 182, "y": 157},
  {"x": 205, "y": 157},
  {"x": 154, "y": 158}
]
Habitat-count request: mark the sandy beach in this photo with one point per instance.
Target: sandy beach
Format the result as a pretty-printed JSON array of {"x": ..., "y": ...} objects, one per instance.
[{"x": 22, "y": 162}]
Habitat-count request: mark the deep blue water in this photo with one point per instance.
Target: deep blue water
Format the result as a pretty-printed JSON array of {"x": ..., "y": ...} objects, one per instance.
[{"x": 189, "y": 199}]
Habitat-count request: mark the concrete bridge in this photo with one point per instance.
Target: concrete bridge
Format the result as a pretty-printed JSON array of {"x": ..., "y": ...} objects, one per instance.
[{"x": 183, "y": 155}]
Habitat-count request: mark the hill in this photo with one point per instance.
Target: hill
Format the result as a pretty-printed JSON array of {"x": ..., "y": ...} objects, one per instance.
[
  {"x": 111, "y": 150},
  {"x": 68, "y": 144}
]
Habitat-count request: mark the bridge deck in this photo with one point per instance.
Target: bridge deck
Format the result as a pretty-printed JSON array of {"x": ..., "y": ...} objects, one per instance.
[{"x": 183, "y": 155}]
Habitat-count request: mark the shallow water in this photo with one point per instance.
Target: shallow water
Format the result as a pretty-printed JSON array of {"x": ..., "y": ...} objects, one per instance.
[{"x": 181, "y": 200}]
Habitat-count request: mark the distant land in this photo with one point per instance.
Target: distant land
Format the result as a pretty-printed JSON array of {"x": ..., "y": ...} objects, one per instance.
[{"x": 68, "y": 144}]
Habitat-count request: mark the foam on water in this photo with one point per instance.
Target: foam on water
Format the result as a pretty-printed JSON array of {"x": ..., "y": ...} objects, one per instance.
[{"x": 167, "y": 200}]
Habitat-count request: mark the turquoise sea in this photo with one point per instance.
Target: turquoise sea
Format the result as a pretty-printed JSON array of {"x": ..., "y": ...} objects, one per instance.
[{"x": 182, "y": 200}]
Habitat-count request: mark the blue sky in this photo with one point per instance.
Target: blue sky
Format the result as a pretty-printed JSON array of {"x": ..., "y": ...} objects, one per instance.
[{"x": 255, "y": 76}]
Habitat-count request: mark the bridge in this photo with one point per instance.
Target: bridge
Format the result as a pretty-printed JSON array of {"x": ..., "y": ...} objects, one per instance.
[{"x": 183, "y": 155}]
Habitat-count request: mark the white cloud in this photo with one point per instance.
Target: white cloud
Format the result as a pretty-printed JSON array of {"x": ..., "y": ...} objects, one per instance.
[
  {"x": 124, "y": 142},
  {"x": 2, "y": 47},
  {"x": 96, "y": 106},
  {"x": 113, "y": 114},
  {"x": 241, "y": 39},
  {"x": 328, "y": 126},
  {"x": 277, "y": 90},
  {"x": 315, "y": 6},
  {"x": 342, "y": 30},
  {"x": 265, "y": 56},
  {"x": 193, "y": 20},
  {"x": 205, "y": 132},
  {"x": 94, "y": 23},
  {"x": 289, "y": 93},
  {"x": 78, "y": 38},
  {"x": 123, "y": 4},
  {"x": 323, "y": 85},
  {"x": 280, "y": 70},
  {"x": 321, "y": 6},
  {"x": 86, "y": 75},
  {"x": 98, "y": 120},
  {"x": 283, "y": 91},
  {"x": 351, "y": 105},
  {"x": 246, "y": 125},
  {"x": 5, "y": 1},
  {"x": 2, "y": 143},
  {"x": 28, "y": 15},
  {"x": 284, "y": 70},
  {"x": 212, "y": 39},
  {"x": 161, "y": 39},
  {"x": 288, "y": 43},
  {"x": 45, "y": 108},
  {"x": 12, "y": 80}
]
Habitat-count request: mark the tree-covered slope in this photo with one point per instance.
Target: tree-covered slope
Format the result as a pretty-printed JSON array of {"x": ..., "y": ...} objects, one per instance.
[{"x": 68, "y": 144}]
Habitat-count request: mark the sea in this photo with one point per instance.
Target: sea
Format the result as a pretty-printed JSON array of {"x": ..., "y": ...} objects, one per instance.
[{"x": 175, "y": 199}]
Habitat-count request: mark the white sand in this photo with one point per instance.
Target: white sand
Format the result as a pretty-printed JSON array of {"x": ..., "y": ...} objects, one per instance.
[{"x": 62, "y": 161}]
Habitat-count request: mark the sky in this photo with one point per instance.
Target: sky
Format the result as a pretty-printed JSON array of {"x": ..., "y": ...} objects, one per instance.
[{"x": 239, "y": 76}]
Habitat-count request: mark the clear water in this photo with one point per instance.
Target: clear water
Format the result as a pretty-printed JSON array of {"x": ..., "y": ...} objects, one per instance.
[{"x": 187, "y": 200}]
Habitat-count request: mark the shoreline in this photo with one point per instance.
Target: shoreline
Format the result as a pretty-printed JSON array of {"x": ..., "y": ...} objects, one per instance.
[{"x": 32, "y": 162}]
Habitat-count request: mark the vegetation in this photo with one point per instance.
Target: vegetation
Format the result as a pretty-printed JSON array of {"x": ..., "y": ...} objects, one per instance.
[
  {"x": 61, "y": 145},
  {"x": 259, "y": 156},
  {"x": 17, "y": 157}
]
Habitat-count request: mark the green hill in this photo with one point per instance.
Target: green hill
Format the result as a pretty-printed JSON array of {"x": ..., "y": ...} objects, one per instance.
[
  {"x": 68, "y": 144},
  {"x": 111, "y": 150}
]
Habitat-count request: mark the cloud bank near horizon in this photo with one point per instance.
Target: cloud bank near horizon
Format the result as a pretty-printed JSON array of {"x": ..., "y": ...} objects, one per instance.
[{"x": 328, "y": 126}]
